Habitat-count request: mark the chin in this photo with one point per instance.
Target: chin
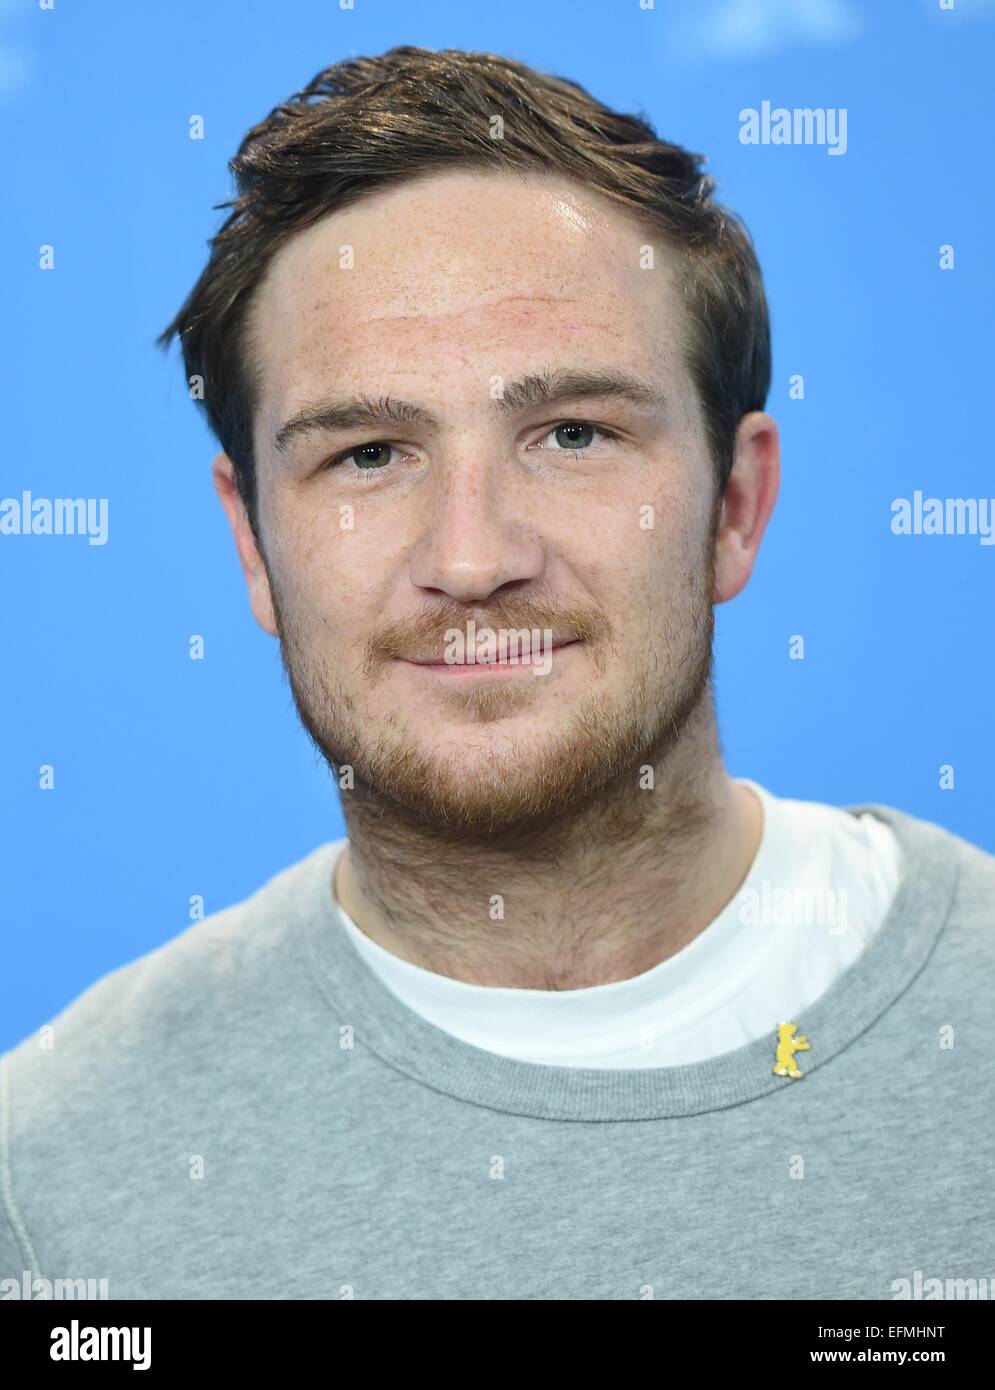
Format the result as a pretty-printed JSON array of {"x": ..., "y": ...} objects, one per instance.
[{"x": 496, "y": 788}]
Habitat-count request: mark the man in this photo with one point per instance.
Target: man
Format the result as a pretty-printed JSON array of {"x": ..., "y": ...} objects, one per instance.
[{"x": 571, "y": 1013}]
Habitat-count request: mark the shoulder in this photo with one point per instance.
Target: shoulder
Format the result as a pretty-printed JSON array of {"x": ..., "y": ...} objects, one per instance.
[
  {"x": 160, "y": 1013},
  {"x": 132, "y": 1070},
  {"x": 974, "y": 867},
  {"x": 976, "y": 880},
  {"x": 952, "y": 884},
  {"x": 971, "y": 918}
]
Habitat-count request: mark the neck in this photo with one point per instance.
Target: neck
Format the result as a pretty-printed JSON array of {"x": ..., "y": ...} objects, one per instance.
[{"x": 621, "y": 886}]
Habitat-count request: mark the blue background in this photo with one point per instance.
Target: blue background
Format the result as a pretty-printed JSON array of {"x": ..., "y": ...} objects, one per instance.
[{"x": 176, "y": 777}]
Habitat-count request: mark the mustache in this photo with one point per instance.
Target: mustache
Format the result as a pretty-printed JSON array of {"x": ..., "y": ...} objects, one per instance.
[{"x": 425, "y": 632}]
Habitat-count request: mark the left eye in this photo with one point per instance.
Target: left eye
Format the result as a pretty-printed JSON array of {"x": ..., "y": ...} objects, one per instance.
[{"x": 574, "y": 435}]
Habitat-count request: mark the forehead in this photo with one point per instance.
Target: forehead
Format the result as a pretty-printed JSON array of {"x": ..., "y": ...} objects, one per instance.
[{"x": 464, "y": 273}]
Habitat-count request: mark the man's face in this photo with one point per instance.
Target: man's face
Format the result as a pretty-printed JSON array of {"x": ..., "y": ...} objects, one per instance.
[{"x": 587, "y": 517}]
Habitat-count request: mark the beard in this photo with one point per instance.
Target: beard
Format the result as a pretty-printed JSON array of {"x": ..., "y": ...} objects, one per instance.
[{"x": 491, "y": 789}]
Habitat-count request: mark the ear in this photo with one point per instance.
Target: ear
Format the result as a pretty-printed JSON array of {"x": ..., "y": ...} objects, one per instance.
[
  {"x": 253, "y": 566},
  {"x": 747, "y": 502}
]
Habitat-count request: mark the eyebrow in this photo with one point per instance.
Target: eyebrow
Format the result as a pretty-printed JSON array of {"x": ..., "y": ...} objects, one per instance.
[{"x": 538, "y": 388}]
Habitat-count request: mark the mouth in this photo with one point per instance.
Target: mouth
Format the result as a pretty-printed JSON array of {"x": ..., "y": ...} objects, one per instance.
[{"x": 495, "y": 667}]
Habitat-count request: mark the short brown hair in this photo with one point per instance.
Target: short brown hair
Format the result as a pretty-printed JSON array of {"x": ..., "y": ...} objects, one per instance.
[{"x": 367, "y": 123}]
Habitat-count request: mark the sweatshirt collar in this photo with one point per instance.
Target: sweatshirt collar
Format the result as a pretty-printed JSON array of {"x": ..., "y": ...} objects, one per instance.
[{"x": 426, "y": 1054}]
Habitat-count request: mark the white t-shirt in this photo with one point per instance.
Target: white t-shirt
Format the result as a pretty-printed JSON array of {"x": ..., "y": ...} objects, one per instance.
[{"x": 820, "y": 885}]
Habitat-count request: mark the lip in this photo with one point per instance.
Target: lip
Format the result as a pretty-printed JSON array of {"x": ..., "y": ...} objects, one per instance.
[{"x": 483, "y": 670}]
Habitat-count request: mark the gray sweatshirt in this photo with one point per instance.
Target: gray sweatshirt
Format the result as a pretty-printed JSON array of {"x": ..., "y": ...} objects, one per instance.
[{"x": 248, "y": 1112}]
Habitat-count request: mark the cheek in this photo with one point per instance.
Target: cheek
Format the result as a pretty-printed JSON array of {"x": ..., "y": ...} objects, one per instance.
[
  {"x": 311, "y": 555},
  {"x": 662, "y": 584},
  {"x": 654, "y": 552},
  {"x": 340, "y": 596}
]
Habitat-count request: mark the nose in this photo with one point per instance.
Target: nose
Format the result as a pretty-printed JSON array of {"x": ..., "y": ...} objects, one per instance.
[{"x": 475, "y": 539}]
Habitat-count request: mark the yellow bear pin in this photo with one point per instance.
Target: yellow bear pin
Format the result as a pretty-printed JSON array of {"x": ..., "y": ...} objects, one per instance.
[{"x": 787, "y": 1046}]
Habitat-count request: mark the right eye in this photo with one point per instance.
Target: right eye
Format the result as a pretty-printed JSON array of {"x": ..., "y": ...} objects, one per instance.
[{"x": 363, "y": 456}]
